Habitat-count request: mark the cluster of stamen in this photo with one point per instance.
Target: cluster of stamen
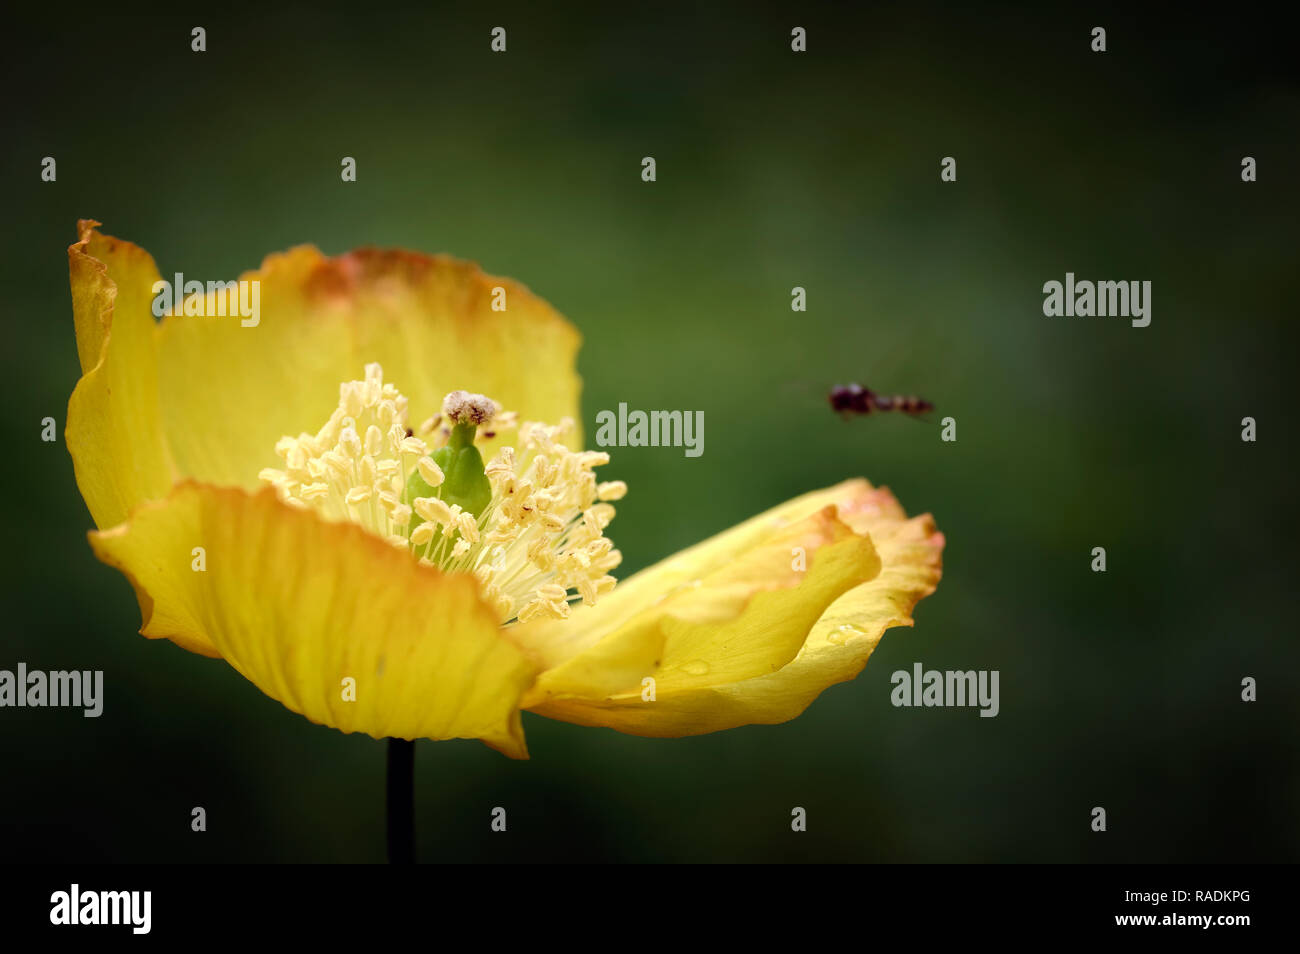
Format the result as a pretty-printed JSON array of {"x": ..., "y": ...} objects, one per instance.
[{"x": 536, "y": 547}]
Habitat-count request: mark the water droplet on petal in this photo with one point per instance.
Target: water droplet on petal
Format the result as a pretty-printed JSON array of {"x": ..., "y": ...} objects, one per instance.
[
  {"x": 843, "y": 633},
  {"x": 696, "y": 668}
]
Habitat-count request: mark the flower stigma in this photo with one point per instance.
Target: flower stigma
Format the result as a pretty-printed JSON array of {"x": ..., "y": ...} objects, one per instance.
[{"x": 529, "y": 525}]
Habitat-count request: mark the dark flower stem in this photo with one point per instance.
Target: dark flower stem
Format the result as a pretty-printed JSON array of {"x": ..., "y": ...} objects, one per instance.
[{"x": 401, "y": 802}]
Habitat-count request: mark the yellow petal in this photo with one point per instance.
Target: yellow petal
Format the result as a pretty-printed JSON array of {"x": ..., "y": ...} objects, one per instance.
[
  {"x": 735, "y": 607},
  {"x": 298, "y": 606},
  {"x": 114, "y": 430},
  {"x": 230, "y": 392},
  {"x": 836, "y": 641}
]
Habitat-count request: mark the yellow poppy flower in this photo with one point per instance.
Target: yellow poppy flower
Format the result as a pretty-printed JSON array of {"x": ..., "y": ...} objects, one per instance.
[{"x": 427, "y": 556}]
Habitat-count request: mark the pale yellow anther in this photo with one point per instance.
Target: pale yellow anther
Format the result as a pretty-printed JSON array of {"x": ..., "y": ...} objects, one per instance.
[
  {"x": 357, "y": 495},
  {"x": 453, "y": 520},
  {"x": 366, "y": 470},
  {"x": 349, "y": 443},
  {"x": 336, "y": 462},
  {"x": 461, "y": 548},
  {"x": 433, "y": 509},
  {"x": 351, "y": 399},
  {"x": 430, "y": 471},
  {"x": 468, "y": 527},
  {"x": 532, "y": 610},
  {"x": 423, "y": 534},
  {"x": 314, "y": 491},
  {"x": 611, "y": 490},
  {"x": 329, "y": 432},
  {"x": 502, "y": 464},
  {"x": 544, "y": 471},
  {"x": 541, "y": 552}
]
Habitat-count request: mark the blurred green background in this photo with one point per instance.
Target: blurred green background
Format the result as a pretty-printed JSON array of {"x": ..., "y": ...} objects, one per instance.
[{"x": 774, "y": 170}]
